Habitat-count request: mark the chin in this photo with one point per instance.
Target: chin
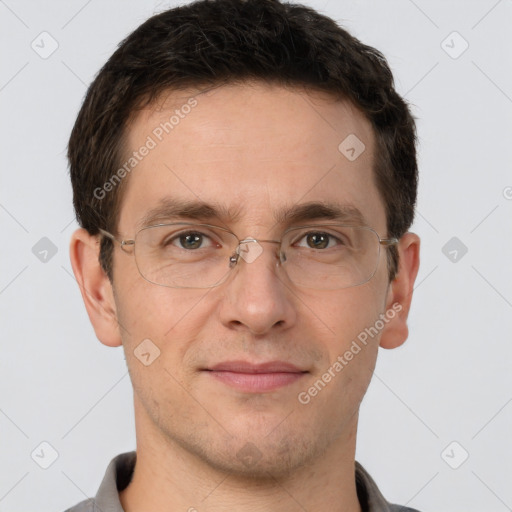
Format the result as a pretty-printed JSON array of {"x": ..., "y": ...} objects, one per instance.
[{"x": 258, "y": 459}]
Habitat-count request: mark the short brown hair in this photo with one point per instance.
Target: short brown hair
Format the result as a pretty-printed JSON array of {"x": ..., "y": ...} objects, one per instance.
[{"x": 209, "y": 42}]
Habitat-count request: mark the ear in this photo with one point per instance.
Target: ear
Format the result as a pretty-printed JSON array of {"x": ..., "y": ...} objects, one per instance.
[
  {"x": 95, "y": 287},
  {"x": 400, "y": 292}
]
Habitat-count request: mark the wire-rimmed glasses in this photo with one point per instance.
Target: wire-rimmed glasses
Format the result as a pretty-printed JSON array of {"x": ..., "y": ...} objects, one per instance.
[{"x": 325, "y": 256}]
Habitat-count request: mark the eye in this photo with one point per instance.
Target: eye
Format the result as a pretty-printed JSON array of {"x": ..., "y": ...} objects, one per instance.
[
  {"x": 190, "y": 241},
  {"x": 318, "y": 240}
]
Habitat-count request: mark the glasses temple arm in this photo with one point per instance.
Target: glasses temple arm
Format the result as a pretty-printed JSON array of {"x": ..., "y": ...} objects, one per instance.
[
  {"x": 107, "y": 234},
  {"x": 388, "y": 241}
]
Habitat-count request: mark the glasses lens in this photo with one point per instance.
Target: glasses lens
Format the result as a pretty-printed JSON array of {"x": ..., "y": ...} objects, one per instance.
[
  {"x": 184, "y": 255},
  {"x": 330, "y": 257},
  {"x": 187, "y": 255}
]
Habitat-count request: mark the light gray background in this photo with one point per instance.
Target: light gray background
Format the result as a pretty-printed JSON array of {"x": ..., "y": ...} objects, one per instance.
[{"x": 450, "y": 382}]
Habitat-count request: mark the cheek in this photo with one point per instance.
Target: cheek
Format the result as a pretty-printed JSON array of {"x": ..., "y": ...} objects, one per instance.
[
  {"x": 351, "y": 346},
  {"x": 342, "y": 378},
  {"x": 166, "y": 316},
  {"x": 160, "y": 326},
  {"x": 349, "y": 312}
]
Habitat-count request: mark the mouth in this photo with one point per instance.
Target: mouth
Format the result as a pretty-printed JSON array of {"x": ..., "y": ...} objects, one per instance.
[{"x": 256, "y": 378}]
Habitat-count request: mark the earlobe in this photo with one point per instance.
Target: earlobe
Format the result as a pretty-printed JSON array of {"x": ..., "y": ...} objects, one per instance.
[
  {"x": 400, "y": 292},
  {"x": 95, "y": 287}
]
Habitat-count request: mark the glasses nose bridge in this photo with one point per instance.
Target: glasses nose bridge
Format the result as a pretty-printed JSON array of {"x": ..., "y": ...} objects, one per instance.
[
  {"x": 250, "y": 239},
  {"x": 251, "y": 252}
]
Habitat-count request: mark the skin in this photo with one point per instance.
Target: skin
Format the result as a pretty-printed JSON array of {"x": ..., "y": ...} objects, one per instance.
[{"x": 282, "y": 152}]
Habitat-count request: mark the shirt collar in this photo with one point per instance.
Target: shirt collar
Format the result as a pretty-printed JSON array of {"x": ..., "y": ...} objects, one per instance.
[{"x": 120, "y": 470}]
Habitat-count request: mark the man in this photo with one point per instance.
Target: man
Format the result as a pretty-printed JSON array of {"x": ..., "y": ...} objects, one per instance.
[{"x": 245, "y": 175}]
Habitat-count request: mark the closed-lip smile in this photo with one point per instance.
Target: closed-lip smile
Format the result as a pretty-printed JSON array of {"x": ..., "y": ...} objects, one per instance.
[{"x": 256, "y": 377}]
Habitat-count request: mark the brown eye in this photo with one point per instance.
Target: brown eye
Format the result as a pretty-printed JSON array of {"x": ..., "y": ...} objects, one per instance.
[
  {"x": 317, "y": 240},
  {"x": 191, "y": 241}
]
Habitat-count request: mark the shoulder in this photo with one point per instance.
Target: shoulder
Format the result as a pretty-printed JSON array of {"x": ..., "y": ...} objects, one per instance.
[
  {"x": 370, "y": 497},
  {"x": 117, "y": 477},
  {"x": 401, "y": 508},
  {"x": 84, "y": 506}
]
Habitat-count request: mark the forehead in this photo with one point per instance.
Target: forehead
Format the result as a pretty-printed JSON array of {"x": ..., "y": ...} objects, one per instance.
[{"x": 254, "y": 149}]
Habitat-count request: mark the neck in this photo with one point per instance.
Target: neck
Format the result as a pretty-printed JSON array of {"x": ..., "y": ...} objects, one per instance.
[{"x": 168, "y": 478}]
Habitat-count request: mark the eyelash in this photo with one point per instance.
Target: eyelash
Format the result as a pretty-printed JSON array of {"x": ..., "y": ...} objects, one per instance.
[{"x": 302, "y": 236}]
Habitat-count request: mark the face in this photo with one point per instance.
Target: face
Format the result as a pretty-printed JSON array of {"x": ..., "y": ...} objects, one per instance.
[{"x": 255, "y": 154}]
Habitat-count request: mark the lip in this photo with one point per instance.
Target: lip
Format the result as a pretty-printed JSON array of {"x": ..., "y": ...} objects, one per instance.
[
  {"x": 246, "y": 367},
  {"x": 256, "y": 378}
]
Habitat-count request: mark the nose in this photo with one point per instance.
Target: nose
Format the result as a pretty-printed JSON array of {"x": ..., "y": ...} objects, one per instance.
[{"x": 258, "y": 298}]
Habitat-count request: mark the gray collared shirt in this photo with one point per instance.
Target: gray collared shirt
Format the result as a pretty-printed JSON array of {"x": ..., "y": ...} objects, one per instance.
[{"x": 120, "y": 471}]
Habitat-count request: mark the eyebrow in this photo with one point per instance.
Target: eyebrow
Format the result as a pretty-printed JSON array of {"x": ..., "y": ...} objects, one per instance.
[
  {"x": 321, "y": 211},
  {"x": 175, "y": 209}
]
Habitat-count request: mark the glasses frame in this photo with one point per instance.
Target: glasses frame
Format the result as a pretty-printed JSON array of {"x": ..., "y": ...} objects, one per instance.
[{"x": 235, "y": 257}]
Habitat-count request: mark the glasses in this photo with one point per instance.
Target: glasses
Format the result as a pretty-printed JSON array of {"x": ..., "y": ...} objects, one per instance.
[{"x": 190, "y": 255}]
